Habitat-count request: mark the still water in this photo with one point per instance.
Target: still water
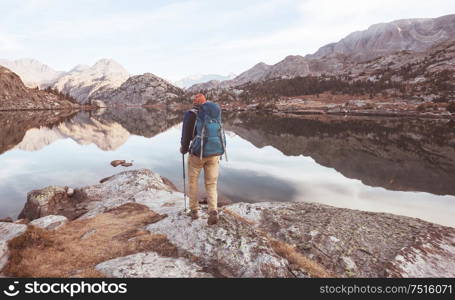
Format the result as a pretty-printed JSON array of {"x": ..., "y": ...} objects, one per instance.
[{"x": 401, "y": 166}]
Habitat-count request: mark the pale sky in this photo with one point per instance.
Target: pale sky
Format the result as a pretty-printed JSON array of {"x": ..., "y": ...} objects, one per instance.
[{"x": 173, "y": 39}]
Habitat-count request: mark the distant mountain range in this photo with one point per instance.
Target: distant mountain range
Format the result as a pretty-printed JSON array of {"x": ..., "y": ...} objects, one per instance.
[
  {"x": 410, "y": 76},
  {"x": 415, "y": 35},
  {"x": 109, "y": 81},
  {"x": 188, "y": 81},
  {"x": 106, "y": 80},
  {"x": 80, "y": 82}
]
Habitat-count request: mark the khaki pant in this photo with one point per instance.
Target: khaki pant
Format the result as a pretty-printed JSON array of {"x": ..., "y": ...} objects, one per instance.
[{"x": 211, "y": 170}]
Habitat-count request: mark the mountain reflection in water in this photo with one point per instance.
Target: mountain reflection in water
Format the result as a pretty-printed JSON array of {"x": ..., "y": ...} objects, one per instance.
[{"x": 403, "y": 166}]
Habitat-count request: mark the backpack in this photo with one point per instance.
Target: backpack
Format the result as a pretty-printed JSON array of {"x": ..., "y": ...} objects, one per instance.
[{"x": 208, "y": 132}]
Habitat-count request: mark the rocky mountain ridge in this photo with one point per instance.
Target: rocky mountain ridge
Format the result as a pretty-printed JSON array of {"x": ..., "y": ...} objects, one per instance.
[
  {"x": 146, "y": 89},
  {"x": 105, "y": 80},
  {"x": 32, "y": 72},
  {"x": 14, "y": 95},
  {"x": 403, "y": 81},
  {"x": 82, "y": 81},
  {"x": 415, "y": 35},
  {"x": 386, "y": 38}
]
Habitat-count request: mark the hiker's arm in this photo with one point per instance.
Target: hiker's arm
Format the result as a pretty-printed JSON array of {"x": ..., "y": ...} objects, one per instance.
[{"x": 187, "y": 131}]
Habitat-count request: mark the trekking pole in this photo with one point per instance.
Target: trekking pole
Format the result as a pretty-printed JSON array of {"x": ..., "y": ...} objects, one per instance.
[{"x": 184, "y": 180}]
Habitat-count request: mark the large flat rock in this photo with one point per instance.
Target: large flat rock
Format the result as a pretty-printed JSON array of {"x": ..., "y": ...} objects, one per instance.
[
  {"x": 430, "y": 255},
  {"x": 343, "y": 242},
  {"x": 92, "y": 200},
  {"x": 151, "y": 265},
  {"x": 354, "y": 243},
  {"x": 231, "y": 248},
  {"x": 50, "y": 222}
]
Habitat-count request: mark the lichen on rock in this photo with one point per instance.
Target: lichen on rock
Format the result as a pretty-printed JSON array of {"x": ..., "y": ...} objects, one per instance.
[
  {"x": 151, "y": 265},
  {"x": 50, "y": 222},
  {"x": 354, "y": 243}
]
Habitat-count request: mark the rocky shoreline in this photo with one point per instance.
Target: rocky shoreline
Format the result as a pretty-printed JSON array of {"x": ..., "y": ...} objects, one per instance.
[
  {"x": 345, "y": 107},
  {"x": 282, "y": 111},
  {"x": 349, "y": 108},
  {"x": 132, "y": 225}
]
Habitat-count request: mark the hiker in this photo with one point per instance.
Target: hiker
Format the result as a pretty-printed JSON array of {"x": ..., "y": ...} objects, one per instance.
[{"x": 203, "y": 137}]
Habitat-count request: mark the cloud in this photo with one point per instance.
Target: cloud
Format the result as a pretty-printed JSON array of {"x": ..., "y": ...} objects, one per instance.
[
  {"x": 9, "y": 44},
  {"x": 10, "y": 41}
]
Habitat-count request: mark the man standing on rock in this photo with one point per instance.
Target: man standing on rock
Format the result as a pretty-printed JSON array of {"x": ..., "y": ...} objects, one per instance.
[{"x": 203, "y": 137}]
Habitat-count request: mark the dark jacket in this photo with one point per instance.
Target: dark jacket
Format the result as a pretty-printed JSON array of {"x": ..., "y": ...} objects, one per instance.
[{"x": 189, "y": 120}]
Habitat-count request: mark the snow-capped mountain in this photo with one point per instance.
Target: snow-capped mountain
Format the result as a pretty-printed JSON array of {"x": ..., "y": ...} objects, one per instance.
[
  {"x": 188, "y": 81},
  {"x": 79, "y": 68},
  {"x": 32, "y": 72},
  {"x": 82, "y": 81}
]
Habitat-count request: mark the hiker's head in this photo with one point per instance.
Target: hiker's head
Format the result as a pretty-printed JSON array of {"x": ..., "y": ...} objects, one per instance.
[{"x": 199, "y": 99}]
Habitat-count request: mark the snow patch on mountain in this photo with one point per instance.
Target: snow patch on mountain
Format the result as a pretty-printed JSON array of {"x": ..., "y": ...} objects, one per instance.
[{"x": 82, "y": 81}]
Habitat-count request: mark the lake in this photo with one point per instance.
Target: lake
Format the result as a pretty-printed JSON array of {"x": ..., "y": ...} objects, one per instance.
[{"x": 403, "y": 166}]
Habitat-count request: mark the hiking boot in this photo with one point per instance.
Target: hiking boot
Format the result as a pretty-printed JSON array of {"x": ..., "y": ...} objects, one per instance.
[
  {"x": 194, "y": 214},
  {"x": 213, "y": 218}
]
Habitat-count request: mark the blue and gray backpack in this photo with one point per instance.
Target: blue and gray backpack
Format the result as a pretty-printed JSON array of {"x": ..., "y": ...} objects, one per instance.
[{"x": 208, "y": 132}]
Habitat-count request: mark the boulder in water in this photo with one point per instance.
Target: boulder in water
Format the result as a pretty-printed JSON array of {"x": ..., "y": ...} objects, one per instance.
[
  {"x": 118, "y": 162},
  {"x": 53, "y": 200}
]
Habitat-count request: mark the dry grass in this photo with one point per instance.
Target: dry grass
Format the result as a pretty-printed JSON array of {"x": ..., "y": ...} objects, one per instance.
[
  {"x": 74, "y": 249},
  {"x": 238, "y": 217},
  {"x": 289, "y": 253}
]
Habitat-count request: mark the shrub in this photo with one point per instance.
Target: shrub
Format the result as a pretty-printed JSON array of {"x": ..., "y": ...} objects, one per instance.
[
  {"x": 451, "y": 107},
  {"x": 428, "y": 106},
  {"x": 369, "y": 106},
  {"x": 421, "y": 108}
]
